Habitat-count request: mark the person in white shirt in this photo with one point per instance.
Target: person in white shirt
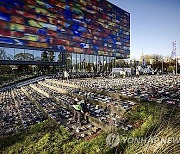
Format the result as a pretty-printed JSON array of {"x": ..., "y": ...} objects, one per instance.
[{"x": 66, "y": 75}]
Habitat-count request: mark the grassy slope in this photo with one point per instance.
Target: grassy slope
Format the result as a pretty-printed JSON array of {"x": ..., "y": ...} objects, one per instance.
[
  {"x": 47, "y": 137},
  {"x": 155, "y": 121}
]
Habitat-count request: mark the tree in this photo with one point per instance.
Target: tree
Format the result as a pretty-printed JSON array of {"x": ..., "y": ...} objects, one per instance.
[
  {"x": 3, "y": 55},
  {"x": 51, "y": 59},
  {"x": 121, "y": 63},
  {"x": 24, "y": 57},
  {"x": 60, "y": 57},
  {"x": 113, "y": 63},
  {"x": 148, "y": 58},
  {"x": 44, "y": 56},
  {"x": 37, "y": 58},
  {"x": 68, "y": 60},
  {"x": 51, "y": 56},
  {"x": 171, "y": 68}
]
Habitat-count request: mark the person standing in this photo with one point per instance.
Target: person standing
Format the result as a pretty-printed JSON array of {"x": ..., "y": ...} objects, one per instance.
[
  {"x": 77, "y": 111},
  {"x": 84, "y": 110},
  {"x": 137, "y": 73},
  {"x": 66, "y": 75}
]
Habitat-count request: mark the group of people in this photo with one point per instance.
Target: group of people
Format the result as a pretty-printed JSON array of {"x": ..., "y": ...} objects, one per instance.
[
  {"x": 81, "y": 111},
  {"x": 80, "y": 107}
]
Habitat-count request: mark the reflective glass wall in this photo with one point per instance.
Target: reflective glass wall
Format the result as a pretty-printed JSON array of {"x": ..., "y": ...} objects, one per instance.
[
  {"x": 90, "y": 63},
  {"x": 28, "y": 55},
  {"x": 73, "y": 62}
]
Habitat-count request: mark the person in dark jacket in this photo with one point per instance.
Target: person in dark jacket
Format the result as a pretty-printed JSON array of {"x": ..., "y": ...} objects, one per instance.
[{"x": 84, "y": 110}]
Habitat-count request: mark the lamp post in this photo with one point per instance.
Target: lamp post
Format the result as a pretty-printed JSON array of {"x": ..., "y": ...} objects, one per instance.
[
  {"x": 162, "y": 65},
  {"x": 174, "y": 50}
]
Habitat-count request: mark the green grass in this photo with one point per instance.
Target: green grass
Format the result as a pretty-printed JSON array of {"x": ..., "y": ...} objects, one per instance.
[
  {"x": 156, "y": 121},
  {"x": 47, "y": 137},
  {"x": 142, "y": 130},
  {"x": 159, "y": 146}
]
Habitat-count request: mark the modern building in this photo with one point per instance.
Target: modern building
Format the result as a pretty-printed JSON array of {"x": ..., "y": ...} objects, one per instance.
[{"x": 63, "y": 32}]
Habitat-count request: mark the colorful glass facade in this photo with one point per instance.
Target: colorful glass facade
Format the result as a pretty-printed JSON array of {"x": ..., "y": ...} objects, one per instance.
[{"x": 76, "y": 26}]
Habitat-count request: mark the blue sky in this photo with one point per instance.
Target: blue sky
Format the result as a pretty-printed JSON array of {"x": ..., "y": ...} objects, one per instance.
[{"x": 155, "y": 24}]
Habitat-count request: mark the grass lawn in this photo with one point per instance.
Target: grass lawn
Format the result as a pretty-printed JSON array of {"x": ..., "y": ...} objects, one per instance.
[
  {"x": 152, "y": 120},
  {"x": 48, "y": 137}
]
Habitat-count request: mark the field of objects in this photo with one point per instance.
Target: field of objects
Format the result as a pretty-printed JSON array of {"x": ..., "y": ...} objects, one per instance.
[{"x": 37, "y": 115}]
